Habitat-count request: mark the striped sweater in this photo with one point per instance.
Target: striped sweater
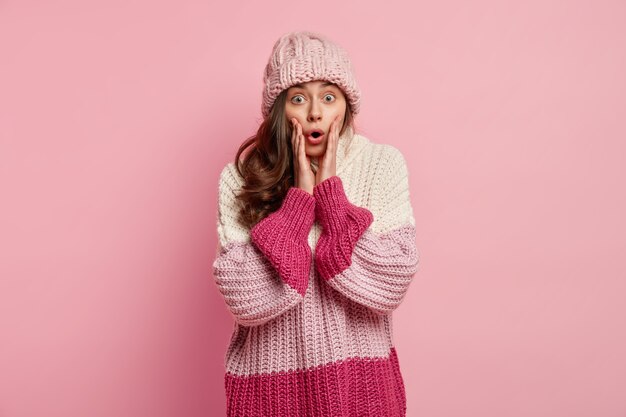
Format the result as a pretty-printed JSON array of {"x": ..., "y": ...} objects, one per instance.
[{"x": 312, "y": 286}]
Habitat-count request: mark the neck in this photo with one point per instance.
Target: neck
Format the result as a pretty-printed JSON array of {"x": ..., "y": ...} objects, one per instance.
[{"x": 314, "y": 164}]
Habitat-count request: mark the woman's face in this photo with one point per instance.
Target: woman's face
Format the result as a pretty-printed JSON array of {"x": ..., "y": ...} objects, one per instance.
[{"x": 315, "y": 104}]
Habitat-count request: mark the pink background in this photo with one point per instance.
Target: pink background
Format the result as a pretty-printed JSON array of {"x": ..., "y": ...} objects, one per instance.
[{"x": 116, "y": 118}]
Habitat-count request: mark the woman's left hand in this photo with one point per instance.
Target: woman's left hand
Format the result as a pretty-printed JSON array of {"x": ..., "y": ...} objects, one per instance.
[{"x": 328, "y": 161}]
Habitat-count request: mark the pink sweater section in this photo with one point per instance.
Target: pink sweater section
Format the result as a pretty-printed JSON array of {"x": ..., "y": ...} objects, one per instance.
[{"x": 282, "y": 238}]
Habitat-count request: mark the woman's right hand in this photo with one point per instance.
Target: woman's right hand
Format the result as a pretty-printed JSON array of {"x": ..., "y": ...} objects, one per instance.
[{"x": 304, "y": 175}]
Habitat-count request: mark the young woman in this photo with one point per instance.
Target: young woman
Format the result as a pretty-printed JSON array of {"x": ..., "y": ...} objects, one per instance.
[{"x": 316, "y": 247}]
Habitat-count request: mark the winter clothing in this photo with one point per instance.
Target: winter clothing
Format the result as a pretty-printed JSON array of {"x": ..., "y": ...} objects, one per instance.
[{"x": 312, "y": 288}]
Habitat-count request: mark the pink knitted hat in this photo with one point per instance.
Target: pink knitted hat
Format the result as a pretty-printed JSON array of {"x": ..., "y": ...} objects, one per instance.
[{"x": 302, "y": 56}]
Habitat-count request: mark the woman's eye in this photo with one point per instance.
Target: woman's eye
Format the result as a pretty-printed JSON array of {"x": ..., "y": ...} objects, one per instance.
[{"x": 329, "y": 98}]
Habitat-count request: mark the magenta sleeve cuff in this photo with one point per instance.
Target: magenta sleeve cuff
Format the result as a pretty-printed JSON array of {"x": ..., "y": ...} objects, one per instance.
[
  {"x": 343, "y": 223},
  {"x": 293, "y": 219},
  {"x": 335, "y": 212},
  {"x": 282, "y": 237}
]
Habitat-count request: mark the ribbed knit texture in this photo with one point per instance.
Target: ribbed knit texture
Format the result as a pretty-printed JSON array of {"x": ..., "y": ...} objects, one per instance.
[
  {"x": 312, "y": 287},
  {"x": 282, "y": 238},
  {"x": 343, "y": 224}
]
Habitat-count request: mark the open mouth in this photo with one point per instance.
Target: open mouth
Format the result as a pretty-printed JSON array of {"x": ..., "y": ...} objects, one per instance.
[
  {"x": 316, "y": 133},
  {"x": 315, "y": 136}
]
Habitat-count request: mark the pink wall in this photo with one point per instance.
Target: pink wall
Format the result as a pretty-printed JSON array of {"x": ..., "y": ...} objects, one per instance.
[{"x": 116, "y": 118}]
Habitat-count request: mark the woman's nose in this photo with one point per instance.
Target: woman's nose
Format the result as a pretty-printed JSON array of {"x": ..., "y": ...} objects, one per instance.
[{"x": 314, "y": 115}]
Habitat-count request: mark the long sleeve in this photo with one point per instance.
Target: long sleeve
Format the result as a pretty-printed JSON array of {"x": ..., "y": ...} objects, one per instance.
[
  {"x": 372, "y": 264},
  {"x": 263, "y": 272}
]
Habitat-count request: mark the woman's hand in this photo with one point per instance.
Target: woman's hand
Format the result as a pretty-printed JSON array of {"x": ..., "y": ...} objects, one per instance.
[
  {"x": 304, "y": 176},
  {"x": 328, "y": 161}
]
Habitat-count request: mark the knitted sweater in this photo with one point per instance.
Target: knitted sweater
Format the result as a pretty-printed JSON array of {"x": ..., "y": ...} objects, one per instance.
[{"x": 312, "y": 286}]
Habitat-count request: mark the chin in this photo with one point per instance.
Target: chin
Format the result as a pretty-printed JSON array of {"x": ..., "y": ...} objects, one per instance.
[{"x": 317, "y": 150}]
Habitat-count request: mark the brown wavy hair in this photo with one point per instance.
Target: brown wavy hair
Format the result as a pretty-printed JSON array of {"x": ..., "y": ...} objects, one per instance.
[{"x": 267, "y": 168}]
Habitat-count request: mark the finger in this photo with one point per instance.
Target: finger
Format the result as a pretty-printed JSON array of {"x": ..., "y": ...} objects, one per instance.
[
  {"x": 332, "y": 140},
  {"x": 298, "y": 136},
  {"x": 302, "y": 152},
  {"x": 295, "y": 147}
]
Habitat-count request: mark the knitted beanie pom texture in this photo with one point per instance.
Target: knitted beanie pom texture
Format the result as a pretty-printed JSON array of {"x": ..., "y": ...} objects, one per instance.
[{"x": 303, "y": 56}]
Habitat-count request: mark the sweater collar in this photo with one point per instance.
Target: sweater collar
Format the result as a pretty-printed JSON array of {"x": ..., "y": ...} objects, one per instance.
[{"x": 350, "y": 144}]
